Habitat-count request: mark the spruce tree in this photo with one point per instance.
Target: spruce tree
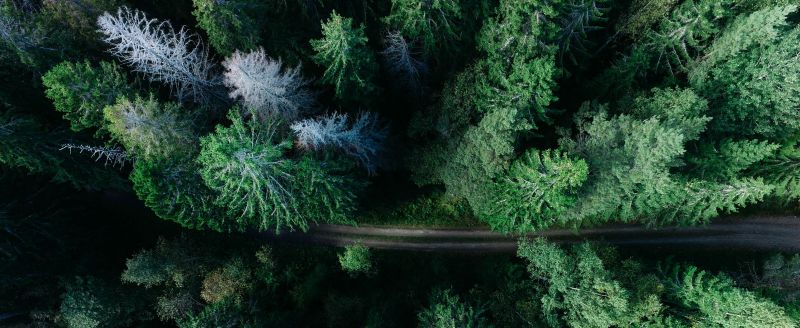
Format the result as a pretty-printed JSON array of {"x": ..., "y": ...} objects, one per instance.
[
  {"x": 349, "y": 65},
  {"x": 435, "y": 23},
  {"x": 81, "y": 91}
]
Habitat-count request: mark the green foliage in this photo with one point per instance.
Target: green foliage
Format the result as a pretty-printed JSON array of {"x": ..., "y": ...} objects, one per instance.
[
  {"x": 447, "y": 310},
  {"x": 433, "y": 23},
  {"x": 81, "y": 91},
  {"x": 244, "y": 163},
  {"x": 26, "y": 144},
  {"x": 720, "y": 304},
  {"x": 149, "y": 130},
  {"x": 783, "y": 172},
  {"x": 519, "y": 70},
  {"x": 326, "y": 190},
  {"x": 538, "y": 188},
  {"x": 91, "y": 303},
  {"x": 579, "y": 291},
  {"x": 641, "y": 15},
  {"x": 631, "y": 159},
  {"x": 176, "y": 192},
  {"x": 749, "y": 74},
  {"x": 730, "y": 158},
  {"x": 230, "y": 25},
  {"x": 433, "y": 210},
  {"x": 349, "y": 65},
  {"x": 356, "y": 259}
]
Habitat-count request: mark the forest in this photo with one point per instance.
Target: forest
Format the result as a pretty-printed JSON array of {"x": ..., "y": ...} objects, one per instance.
[{"x": 153, "y": 153}]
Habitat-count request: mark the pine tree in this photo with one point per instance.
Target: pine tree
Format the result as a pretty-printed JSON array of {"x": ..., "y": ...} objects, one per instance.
[
  {"x": 265, "y": 87},
  {"x": 349, "y": 65},
  {"x": 150, "y": 130},
  {"x": 81, "y": 91},
  {"x": 230, "y": 25},
  {"x": 538, "y": 188},
  {"x": 162, "y": 54},
  {"x": 434, "y": 23}
]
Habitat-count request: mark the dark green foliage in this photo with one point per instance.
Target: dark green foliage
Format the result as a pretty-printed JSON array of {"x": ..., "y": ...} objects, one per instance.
[
  {"x": 356, "y": 259},
  {"x": 519, "y": 71},
  {"x": 349, "y": 65},
  {"x": 176, "y": 192},
  {"x": 26, "y": 144},
  {"x": 642, "y": 15},
  {"x": 727, "y": 160},
  {"x": 150, "y": 130},
  {"x": 539, "y": 187},
  {"x": 447, "y": 310},
  {"x": 590, "y": 287},
  {"x": 81, "y": 91},
  {"x": 749, "y": 76},
  {"x": 246, "y": 165},
  {"x": 434, "y": 24},
  {"x": 719, "y": 303},
  {"x": 230, "y": 25},
  {"x": 91, "y": 303},
  {"x": 783, "y": 172},
  {"x": 631, "y": 161}
]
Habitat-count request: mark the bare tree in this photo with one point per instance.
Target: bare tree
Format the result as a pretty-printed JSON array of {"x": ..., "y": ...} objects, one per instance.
[
  {"x": 401, "y": 62},
  {"x": 111, "y": 155},
  {"x": 264, "y": 88},
  {"x": 155, "y": 49},
  {"x": 362, "y": 140}
]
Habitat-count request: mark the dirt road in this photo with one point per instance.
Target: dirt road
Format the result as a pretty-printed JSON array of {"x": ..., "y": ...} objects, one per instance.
[{"x": 750, "y": 233}]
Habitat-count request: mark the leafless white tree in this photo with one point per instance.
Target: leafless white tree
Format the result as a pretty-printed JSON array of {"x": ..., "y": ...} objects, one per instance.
[
  {"x": 264, "y": 88},
  {"x": 112, "y": 155},
  {"x": 401, "y": 62},
  {"x": 156, "y": 49},
  {"x": 362, "y": 140}
]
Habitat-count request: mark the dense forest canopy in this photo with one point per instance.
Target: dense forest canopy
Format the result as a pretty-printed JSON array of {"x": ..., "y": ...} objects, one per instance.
[{"x": 226, "y": 119}]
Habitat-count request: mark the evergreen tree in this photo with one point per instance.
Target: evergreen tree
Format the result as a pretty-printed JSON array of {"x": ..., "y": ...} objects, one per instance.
[
  {"x": 27, "y": 144},
  {"x": 230, "y": 25},
  {"x": 151, "y": 130},
  {"x": 175, "y": 191},
  {"x": 81, "y": 91},
  {"x": 245, "y": 165},
  {"x": 349, "y": 65},
  {"x": 539, "y": 187},
  {"x": 749, "y": 74},
  {"x": 579, "y": 291},
  {"x": 720, "y": 304},
  {"x": 435, "y": 23}
]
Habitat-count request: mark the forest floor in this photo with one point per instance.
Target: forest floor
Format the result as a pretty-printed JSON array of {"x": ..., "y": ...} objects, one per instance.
[{"x": 773, "y": 233}]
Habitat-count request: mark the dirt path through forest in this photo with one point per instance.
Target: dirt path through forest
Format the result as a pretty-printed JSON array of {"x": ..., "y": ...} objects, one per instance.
[{"x": 748, "y": 233}]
